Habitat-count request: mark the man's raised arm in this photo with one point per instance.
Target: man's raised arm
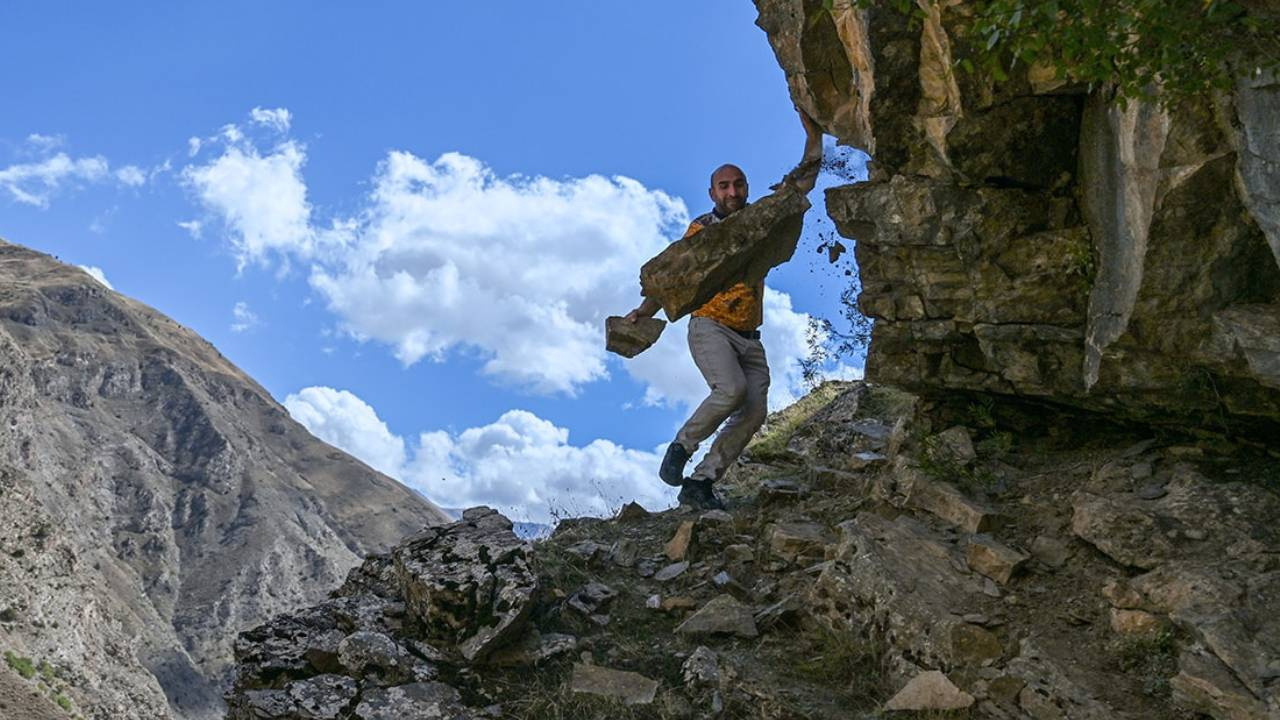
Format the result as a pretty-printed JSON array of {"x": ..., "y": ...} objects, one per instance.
[{"x": 804, "y": 175}]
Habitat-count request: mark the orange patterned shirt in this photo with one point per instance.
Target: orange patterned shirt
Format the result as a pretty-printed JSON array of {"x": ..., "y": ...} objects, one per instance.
[{"x": 741, "y": 307}]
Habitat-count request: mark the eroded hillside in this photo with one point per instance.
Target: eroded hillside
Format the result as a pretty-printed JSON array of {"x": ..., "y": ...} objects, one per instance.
[
  {"x": 870, "y": 565},
  {"x": 154, "y": 499}
]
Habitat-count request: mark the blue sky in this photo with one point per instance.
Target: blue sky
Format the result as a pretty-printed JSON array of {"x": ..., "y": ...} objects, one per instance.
[{"x": 407, "y": 220}]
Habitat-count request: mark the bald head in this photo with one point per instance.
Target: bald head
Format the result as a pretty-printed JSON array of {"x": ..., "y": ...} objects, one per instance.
[
  {"x": 726, "y": 169},
  {"x": 728, "y": 189}
]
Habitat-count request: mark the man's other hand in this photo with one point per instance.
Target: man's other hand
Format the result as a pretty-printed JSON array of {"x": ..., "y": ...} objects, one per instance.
[{"x": 648, "y": 308}]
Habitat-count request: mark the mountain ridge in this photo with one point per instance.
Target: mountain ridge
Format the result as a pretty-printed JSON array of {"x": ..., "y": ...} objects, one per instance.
[{"x": 167, "y": 497}]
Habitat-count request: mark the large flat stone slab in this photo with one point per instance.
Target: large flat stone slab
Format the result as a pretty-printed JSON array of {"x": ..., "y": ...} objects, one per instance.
[
  {"x": 741, "y": 248},
  {"x": 723, "y": 615},
  {"x": 628, "y": 687}
]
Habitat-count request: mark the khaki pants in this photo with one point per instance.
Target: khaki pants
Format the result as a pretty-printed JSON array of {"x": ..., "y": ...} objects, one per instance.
[{"x": 738, "y": 374}]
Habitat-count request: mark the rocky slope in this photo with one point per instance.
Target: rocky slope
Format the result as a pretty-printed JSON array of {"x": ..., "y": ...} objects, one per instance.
[
  {"x": 1035, "y": 239},
  {"x": 153, "y": 499},
  {"x": 870, "y": 565}
]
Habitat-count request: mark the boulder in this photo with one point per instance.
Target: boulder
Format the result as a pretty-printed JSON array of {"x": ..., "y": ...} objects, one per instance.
[
  {"x": 323, "y": 697},
  {"x": 416, "y": 700},
  {"x": 468, "y": 583},
  {"x": 632, "y": 512},
  {"x": 592, "y": 601},
  {"x": 741, "y": 248},
  {"x": 370, "y": 655}
]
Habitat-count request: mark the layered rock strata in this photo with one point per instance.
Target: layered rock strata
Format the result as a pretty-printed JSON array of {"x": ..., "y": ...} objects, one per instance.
[{"x": 1033, "y": 238}]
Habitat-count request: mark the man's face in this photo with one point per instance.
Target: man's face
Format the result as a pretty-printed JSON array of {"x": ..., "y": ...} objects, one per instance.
[{"x": 728, "y": 190}]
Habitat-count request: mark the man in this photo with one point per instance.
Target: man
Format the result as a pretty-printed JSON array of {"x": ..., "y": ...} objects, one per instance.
[{"x": 724, "y": 339}]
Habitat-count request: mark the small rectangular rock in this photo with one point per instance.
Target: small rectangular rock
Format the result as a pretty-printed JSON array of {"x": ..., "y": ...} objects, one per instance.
[
  {"x": 677, "y": 548},
  {"x": 629, "y": 339},
  {"x": 946, "y": 502},
  {"x": 790, "y": 541},
  {"x": 992, "y": 559}
]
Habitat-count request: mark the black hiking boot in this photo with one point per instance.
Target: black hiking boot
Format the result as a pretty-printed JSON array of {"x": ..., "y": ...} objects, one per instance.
[
  {"x": 672, "y": 468},
  {"x": 699, "y": 495}
]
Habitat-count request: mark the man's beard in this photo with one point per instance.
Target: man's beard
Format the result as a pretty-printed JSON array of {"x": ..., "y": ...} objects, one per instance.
[{"x": 731, "y": 205}]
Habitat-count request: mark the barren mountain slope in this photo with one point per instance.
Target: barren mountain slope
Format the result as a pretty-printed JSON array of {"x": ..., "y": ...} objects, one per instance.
[{"x": 154, "y": 500}]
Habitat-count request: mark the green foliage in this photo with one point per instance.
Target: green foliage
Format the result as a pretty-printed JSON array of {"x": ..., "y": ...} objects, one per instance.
[
  {"x": 63, "y": 701},
  {"x": 771, "y": 442},
  {"x": 937, "y": 463},
  {"x": 996, "y": 445},
  {"x": 851, "y": 665},
  {"x": 992, "y": 441},
  {"x": 1186, "y": 47},
  {"x": 1083, "y": 264},
  {"x": 828, "y": 343},
  {"x": 21, "y": 665},
  {"x": 1153, "y": 657},
  {"x": 982, "y": 413}
]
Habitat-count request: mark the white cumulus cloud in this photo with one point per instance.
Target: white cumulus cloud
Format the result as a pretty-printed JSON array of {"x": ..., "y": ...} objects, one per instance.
[
  {"x": 261, "y": 198},
  {"x": 345, "y": 421},
  {"x": 447, "y": 257},
  {"x": 96, "y": 273},
  {"x": 521, "y": 464}
]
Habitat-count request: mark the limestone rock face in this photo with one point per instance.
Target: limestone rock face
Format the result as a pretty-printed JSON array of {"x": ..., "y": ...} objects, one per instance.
[
  {"x": 154, "y": 500},
  {"x": 1031, "y": 238},
  {"x": 741, "y": 248}
]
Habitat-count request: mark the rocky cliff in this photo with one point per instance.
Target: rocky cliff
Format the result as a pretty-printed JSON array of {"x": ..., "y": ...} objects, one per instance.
[
  {"x": 153, "y": 500},
  {"x": 1034, "y": 239},
  {"x": 869, "y": 566}
]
